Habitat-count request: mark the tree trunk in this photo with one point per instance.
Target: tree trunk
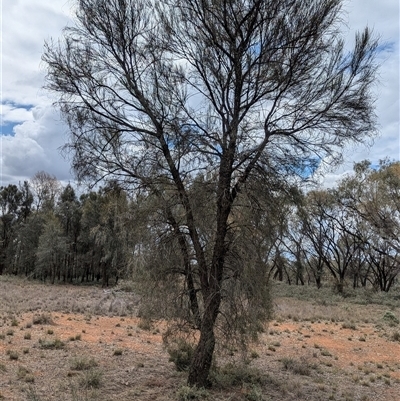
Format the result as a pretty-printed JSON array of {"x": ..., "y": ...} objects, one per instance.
[{"x": 202, "y": 359}]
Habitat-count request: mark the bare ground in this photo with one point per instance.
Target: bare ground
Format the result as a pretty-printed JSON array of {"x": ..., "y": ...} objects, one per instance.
[{"x": 60, "y": 342}]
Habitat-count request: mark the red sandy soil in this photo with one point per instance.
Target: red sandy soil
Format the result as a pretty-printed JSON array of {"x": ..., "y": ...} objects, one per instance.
[{"x": 100, "y": 336}]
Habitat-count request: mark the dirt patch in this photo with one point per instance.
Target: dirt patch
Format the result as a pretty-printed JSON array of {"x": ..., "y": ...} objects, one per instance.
[{"x": 50, "y": 353}]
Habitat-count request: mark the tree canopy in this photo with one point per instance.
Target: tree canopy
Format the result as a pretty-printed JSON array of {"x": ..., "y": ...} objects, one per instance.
[{"x": 202, "y": 103}]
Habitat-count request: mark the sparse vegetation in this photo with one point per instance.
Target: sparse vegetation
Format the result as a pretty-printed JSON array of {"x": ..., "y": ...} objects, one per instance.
[
  {"x": 186, "y": 393},
  {"x": 259, "y": 373},
  {"x": 43, "y": 318},
  {"x": 298, "y": 366},
  {"x": 83, "y": 363},
  {"x": 13, "y": 355},
  {"x": 390, "y": 319},
  {"x": 55, "y": 343},
  {"x": 91, "y": 378}
]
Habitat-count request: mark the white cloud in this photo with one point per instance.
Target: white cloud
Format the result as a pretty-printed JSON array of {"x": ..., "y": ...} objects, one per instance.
[
  {"x": 37, "y": 133},
  {"x": 34, "y": 147}
]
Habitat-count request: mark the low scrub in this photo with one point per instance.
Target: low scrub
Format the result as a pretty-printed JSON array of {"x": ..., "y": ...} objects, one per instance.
[
  {"x": 186, "y": 393},
  {"x": 83, "y": 363},
  {"x": 181, "y": 354},
  {"x": 51, "y": 344},
  {"x": 43, "y": 318},
  {"x": 298, "y": 366},
  {"x": 232, "y": 375}
]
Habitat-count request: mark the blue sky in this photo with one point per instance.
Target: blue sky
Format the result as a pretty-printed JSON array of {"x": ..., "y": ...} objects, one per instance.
[{"x": 31, "y": 130}]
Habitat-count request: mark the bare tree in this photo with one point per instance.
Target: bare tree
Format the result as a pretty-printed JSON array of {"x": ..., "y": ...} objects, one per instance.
[
  {"x": 157, "y": 92},
  {"x": 46, "y": 189}
]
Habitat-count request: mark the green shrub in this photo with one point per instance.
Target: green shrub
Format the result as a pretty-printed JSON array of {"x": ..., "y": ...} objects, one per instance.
[
  {"x": 186, "y": 393},
  {"x": 254, "y": 393},
  {"x": 390, "y": 319},
  {"x": 83, "y": 363},
  {"x": 300, "y": 367},
  {"x": 181, "y": 354},
  {"x": 91, "y": 379},
  {"x": 236, "y": 375},
  {"x": 51, "y": 344}
]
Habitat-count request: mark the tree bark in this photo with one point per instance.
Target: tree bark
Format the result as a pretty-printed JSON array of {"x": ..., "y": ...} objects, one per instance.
[{"x": 202, "y": 359}]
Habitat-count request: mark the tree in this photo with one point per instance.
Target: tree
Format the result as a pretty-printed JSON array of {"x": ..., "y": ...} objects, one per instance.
[
  {"x": 69, "y": 213},
  {"x": 46, "y": 189},
  {"x": 10, "y": 199},
  {"x": 52, "y": 246},
  {"x": 372, "y": 196},
  {"x": 156, "y": 93}
]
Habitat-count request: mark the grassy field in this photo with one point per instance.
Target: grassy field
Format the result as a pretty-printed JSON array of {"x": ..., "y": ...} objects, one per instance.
[{"x": 60, "y": 342}]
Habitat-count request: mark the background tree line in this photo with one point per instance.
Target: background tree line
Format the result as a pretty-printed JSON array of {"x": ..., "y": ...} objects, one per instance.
[{"x": 348, "y": 235}]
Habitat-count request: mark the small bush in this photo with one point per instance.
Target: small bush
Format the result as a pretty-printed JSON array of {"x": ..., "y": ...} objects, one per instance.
[
  {"x": 300, "y": 367},
  {"x": 236, "y": 375},
  {"x": 186, "y": 393},
  {"x": 91, "y": 379},
  {"x": 25, "y": 374},
  {"x": 145, "y": 324},
  {"x": 13, "y": 355},
  {"x": 51, "y": 344},
  {"x": 27, "y": 336},
  {"x": 254, "y": 394},
  {"x": 43, "y": 318},
  {"x": 325, "y": 352},
  {"x": 390, "y": 319},
  {"x": 396, "y": 336},
  {"x": 181, "y": 354},
  {"x": 118, "y": 352},
  {"x": 83, "y": 363},
  {"x": 350, "y": 326}
]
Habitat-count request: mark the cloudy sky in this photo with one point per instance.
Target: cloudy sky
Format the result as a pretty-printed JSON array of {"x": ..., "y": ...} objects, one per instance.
[{"x": 31, "y": 130}]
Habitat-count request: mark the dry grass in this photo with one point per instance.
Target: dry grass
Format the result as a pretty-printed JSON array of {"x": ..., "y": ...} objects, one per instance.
[{"x": 82, "y": 343}]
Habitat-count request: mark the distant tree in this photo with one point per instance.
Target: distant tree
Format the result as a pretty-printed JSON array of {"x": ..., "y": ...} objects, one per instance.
[
  {"x": 372, "y": 196},
  {"x": 46, "y": 189},
  {"x": 69, "y": 213},
  {"x": 8, "y": 211},
  {"x": 157, "y": 92},
  {"x": 15, "y": 206},
  {"x": 51, "y": 249}
]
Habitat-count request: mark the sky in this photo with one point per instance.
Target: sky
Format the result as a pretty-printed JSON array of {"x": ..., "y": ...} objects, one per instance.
[{"x": 32, "y": 131}]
